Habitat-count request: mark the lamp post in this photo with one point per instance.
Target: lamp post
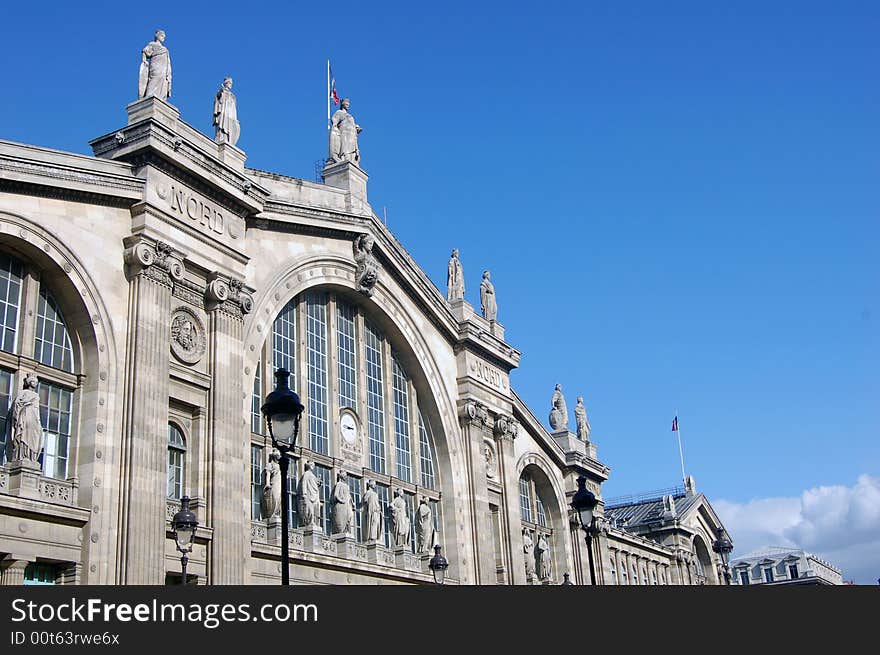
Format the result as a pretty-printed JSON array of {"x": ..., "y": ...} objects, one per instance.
[
  {"x": 723, "y": 547},
  {"x": 184, "y": 525},
  {"x": 438, "y": 565},
  {"x": 283, "y": 410},
  {"x": 584, "y": 504},
  {"x": 566, "y": 581}
]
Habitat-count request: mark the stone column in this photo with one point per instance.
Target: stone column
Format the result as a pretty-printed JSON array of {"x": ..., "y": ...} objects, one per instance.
[
  {"x": 12, "y": 570},
  {"x": 506, "y": 429},
  {"x": 152, "y": 268},
  {"x": 226, "y": 304},
  {"x": 475, "y": 423}
]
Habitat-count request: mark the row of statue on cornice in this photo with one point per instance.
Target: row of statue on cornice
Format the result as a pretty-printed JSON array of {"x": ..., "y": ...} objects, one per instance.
[{"x": 154, "y": 80}]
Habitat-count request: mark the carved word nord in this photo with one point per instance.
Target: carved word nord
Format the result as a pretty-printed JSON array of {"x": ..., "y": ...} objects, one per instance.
[
  {"x": 489, "y": 374},
  {"x": 186, "y": 204}
]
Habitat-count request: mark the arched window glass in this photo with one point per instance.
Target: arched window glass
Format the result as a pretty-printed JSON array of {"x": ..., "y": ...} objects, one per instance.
[
  {"x": 176, "y": 462},
  {"x": 55, "y": 409},
  {"x": 52, "y": 343},
  {"x": 525, "y": 498},
  {"x": 316, "y": 313},
  {"x": 542, "y": 515},
  {"x": 426, "y": 455},
  {"x": 256, "y": 482},
  {"x": 284, "y": 342},
  {"x": 401, "y": 421},
  {"x": 613, "y": 571},
  {"x": 375, "y": 398},
  {"x": 257, "y": 402},
  {"x": 347, "y": 354},
  {"x": 10, "y": 300}
]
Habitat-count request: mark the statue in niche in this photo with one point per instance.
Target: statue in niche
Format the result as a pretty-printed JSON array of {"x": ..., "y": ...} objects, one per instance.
[
  {"x": 487, "y": 298},
  {"x": 367, "y": 271},
  {"x": 558, "y": 411},
  {"x": 580, "y": 417},
  {"x": 542, "y": 557},
  {"x": 424, "y": 527},
  {"x": 373, "y": 512},
  {"x": 309, "y": 496},
  {"x": 342, "y": 510},
  {"x": 454, "y": 278},
  {"x": 399, "y": 519},
  {"x": 26, "y": 430},
  {"x": 154, "y": 78},
  {"x": 272, "y": 485},
  {"x": 225, "y": 121},
  {"x": 344, "y": 135},
  {"x": 529, "y": 554}
]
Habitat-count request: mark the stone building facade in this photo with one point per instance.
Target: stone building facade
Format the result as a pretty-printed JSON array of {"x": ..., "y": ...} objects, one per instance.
[
  {"x": 154, "y": 287},
  {"x": 784, "y": 566}
]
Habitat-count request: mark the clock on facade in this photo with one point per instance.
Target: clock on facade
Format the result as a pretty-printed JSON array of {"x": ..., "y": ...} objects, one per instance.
[{"x": 348, "y": 425}]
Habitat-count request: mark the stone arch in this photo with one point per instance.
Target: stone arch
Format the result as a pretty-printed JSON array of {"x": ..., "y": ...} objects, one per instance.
[
  {"x": 704, "y": 559},
  {"x": 337, "y": 274},
  {"x": 548, "y": 485},
  {"x": 95, "y": 455}
]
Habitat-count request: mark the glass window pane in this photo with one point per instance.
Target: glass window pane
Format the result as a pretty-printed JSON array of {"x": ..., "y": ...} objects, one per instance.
[
  {"x": 347, "y": 354},
  {"x": 55, "y": 403},
  {"x": 257, "y": 402},
  {"x": 284, "y": 342},
  {"x": 375, "y": 398},
  {"x": 256, "y": 483},
  {"x": 316, "y": 329},
  {"x": 10, "y": 300},
  {"x": 426, "y": 455},
  {"x": 52, "y": 344},
  {"x": 6, "y": 382},
  {"x": 401, "y": 421}
]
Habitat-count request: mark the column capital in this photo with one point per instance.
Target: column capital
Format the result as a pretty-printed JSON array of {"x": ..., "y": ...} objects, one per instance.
[
  {"x": 476, "y": 414},
  {"x": 506, "y": 427},
  {"x": 157, "y": 260},
  {"x": 227, "y": 294}
]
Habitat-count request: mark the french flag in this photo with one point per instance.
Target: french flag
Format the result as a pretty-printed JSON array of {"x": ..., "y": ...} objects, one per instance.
[
  {"x": 333, "y": 95},
  {"x": 675, "y": 424}
]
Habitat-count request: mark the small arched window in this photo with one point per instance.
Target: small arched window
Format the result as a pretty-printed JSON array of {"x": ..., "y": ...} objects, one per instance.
[{"x": 176, "y": 462}]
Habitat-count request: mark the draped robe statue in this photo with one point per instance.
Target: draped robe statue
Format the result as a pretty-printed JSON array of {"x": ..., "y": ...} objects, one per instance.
[
  {"x": 529, "y": 554},
  {"x": 343, "y": 135},
  {"x": 399, "y": 520},
  {"x": 342, "y": 512},
  {"x": 487, "y": 298},
  {"x": 272, "y": 486},
  {"x": 26, "y": 429},
  {"x": 226, "y": 115},
  {"x": 373, "y": 513},
  {"x": 454, "y": 278},
  {"x": 309, "y": 496},
  {"x": 558, "y": 411},
  {"x": 580, "y": 416},
  {"x": 424, "y": 527},
  {"x": 154, "y": 78},
  {"x": 542, "y": 558}
]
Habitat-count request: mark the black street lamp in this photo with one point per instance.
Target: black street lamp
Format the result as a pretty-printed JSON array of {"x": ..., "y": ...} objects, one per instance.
[
  {"x": 438, "y": 565},
  {"x": 566, "y": 581},
  {"x": 184, "y": 525},
  {"x": 584, "y": 503},
  {"x": 283, "y": 410},
  {"x": 723, "y": 547}
]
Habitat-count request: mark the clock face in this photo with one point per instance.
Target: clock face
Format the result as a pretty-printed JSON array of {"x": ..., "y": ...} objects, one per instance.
[{"x": 349, "y": 428}]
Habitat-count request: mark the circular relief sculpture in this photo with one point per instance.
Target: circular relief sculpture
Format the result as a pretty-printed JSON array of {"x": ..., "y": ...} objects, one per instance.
[{"x": 187, "y": 336}]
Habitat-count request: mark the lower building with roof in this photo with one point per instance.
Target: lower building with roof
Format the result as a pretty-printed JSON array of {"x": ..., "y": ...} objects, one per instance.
[{"x": 780, "y": 565}]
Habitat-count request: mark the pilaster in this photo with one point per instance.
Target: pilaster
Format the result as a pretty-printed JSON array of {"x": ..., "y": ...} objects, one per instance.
[
  {"x": 12, "y": 570},
  {"x": 226, "y": 304},
  {"x": 506, "y": 429},
  {"x": 475, "y": 425},
  {"x": 152, "y": 268}
]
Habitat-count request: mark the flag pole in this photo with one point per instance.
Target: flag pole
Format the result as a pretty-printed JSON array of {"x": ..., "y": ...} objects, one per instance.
[
  {"x": 680, "y": 451},
  {"x": 328, "y": 95}
]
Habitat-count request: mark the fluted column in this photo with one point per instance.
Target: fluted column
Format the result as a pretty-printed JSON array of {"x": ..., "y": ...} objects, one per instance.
[
  {"x": 152, "y": 268},
  {"x": 228, "y": 498},
  {"x": 475, "y": 423},
  {"x": 506, "y": 430},
  {"x": 12, "y": 571}
]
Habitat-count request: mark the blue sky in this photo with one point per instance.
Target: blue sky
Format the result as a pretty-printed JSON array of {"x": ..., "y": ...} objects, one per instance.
[{"x": 678, "y": 202}]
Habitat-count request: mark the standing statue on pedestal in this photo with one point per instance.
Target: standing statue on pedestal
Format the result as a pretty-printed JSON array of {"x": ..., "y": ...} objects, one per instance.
[
  {"x": 529, "y": 554},
  {"x": 309, "y": 496},
  {"x": 366, "y": 272},
  {"x": 225, "y": 122},
  {"x": 154, "y": 78},
  {"x": 542, "y": 557},
  {"x": 272, "y": 486},
  {"x": 342, "y": 511},
  {"x": 487, "y": 298},
  {"x": 399, "y": 520},
  {"x": 26, "y": 430},
  {"x": 454, "y": 278},
  {"x": 372, "y": 513},
  {"x": 344, "y": 135},
  {"x": 580, "y": 417},
  {"x": 558, "y": 411},
  {"x": 424, "y": 527}
]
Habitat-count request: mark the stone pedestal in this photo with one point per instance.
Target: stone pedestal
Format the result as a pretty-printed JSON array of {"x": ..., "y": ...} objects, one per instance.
[
  {"x": 345, "y": 545},
  {"x": 24, "y": 479},
  {"x": 401, "y": 556},
  {"x": 462, "y": 309},
  {"x": 273, "y": 531},
  {"x": 313, "y": 539},
  {"x": 570, "y": 443},
  {"x": 231, "y": 156},
  {"x": 374, "y": 552},
  {"x": 353, "y": 180},
  {"x": 496, "y": 329},
  {"x": 159, "y": 110}
]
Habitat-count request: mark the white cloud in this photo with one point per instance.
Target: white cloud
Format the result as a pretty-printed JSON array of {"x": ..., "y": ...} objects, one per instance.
[{"x": 839, "y": 524}]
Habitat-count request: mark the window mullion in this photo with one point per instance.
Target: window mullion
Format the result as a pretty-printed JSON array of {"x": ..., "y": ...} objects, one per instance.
[
  {"x": 415, "y": 442},
  {"x": 333, "y": 446},
  {"x": 388, "y": 411},
  {"x": 27, "y": 314}
]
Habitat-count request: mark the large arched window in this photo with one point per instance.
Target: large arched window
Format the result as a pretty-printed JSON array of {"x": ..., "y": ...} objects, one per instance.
[
  {"x": 533, "y": 513},
  {"x": 176, "y": 462},
  {"x": 32, "y": 325},
  {"x": 363, "y": 412}
]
